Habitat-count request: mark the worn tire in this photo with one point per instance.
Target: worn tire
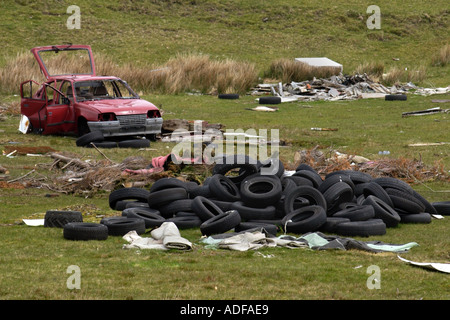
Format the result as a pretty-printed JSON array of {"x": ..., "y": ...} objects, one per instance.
[
  {"x": 269, "y": 100},
  {"x": 337, "y": 194},
  {"x": 223, "y": 188},
  {"x": 313, "y": 176},
  {"x": 303, "y": 220},
  {"x": 85, "y": 231},
  {"x": 58, "y": 219},
  {"x": 186, "y": 222},
  {"x": 228, "y": 96},
  {"x": 423, "y": 217},
  {"x": 374, "y": 189},
  {"x": 172, "y": 208},
  {"x": 122, "y": 225},
  {"x": 250, "y": 213},
  {"x": 136, "y": 194},
  {"x": 261, "y": 191},
  {"x": 152, "y": 218},
  {"x": 239, "y": 163},
  {"x": 306, "y": 195},
  {"x": 356, "y": 213},
  {"x": 382, "y": 211},
  {"x": 162, "y": 197},
  {"x": 93, "y": 136},
  {"x": 395, "y": 97},
  {"x": 204, "y": 208},
  {"x": 365, "y": 228},
  {"x": 220, "y": 223},
  {"x": 330, "y": 224},
  {"x": 442, "y": 207},
  {"x": 134, "y": 143},
  {"x": 245, "y": 226}
]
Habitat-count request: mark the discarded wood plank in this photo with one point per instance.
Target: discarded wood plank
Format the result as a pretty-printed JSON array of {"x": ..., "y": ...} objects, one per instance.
[
  {"x": 422, "y": 112},
  {"x": 427, "y": 144},
  {"x": 75, "y": 161},
  {"x": 20, "y": 178},
  {"x": 324, "y": 129}
]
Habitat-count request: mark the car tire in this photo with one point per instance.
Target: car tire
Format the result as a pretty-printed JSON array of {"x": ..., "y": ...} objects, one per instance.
[
  {"x": 374, "y": 189},
  {"x": 250, "y": 213},
  {"x": 337, "y": 194},
  {"x": 395, "y": 97},
  {"x": 172, "y": 208},
  {"x": 303, "y": 220},
  {"x": 261, "y": 191},
  {"x": 102, "y": 144},
  {"x": 313, "y": 176},
  {"x": 134, "y": 143},
  {"x": 222, "y": 188},
  {"x": 220, "y": 223},
  {"x": 244, "y": 226},
  {"x": 269, "y": 100},
  {"x": 423, "y": 217},
  {"x": 365, "y": 228},
  {"x": 123, "y": 225},
  {"x": 162, "y": 197},
  {"x": 356, "y": 213},
  {"x": 228, "y": 96},
  {"x": 152, "y": 218},
  {"x": 306, "y": 195},
  {"x": 382, "y": 211},
  {"x": 186, "y": 222},
  {"x": 442, "y": 207},
  {"x": 204, "y": 208},
  {"x": 58, "y": 219},
  {"x": 85, "y": 231},
  {"x": 93, "y": 136},
  {"x": 132, "y": 193},
  {"x": 330, "y": 224}
]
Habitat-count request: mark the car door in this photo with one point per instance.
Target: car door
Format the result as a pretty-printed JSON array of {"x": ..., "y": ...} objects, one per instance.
[
  {"x": 32, "y": 103},
  {"x": 58, "y": 109}
]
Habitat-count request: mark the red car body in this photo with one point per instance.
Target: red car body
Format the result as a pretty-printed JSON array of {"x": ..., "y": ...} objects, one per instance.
[{"x": 74, "y": 99}]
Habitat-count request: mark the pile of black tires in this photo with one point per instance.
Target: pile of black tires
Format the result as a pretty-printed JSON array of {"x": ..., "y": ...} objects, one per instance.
[
  {"x": 239, "y": 197},
  {"x": 97, "y": 139}
]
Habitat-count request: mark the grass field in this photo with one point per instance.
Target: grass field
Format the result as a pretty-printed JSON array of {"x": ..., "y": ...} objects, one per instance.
[{"x": 34, "y": 260}]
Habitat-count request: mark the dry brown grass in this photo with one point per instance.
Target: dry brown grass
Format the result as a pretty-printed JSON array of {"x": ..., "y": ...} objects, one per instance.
[
  {"x": 373, "y": 69},
  {"x": 442, "y": 58},
  {"x": 398, "y": 75},
  {"x": 184, "y": 72},
  {"x": 288, "y": 70}
]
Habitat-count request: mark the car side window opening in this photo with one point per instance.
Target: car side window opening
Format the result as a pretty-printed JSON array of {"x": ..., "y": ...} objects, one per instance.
[{"x": 103, "y": 89}]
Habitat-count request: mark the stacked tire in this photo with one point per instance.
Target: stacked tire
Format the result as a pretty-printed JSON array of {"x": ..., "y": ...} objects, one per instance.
[{"x": 240, "y": 195}]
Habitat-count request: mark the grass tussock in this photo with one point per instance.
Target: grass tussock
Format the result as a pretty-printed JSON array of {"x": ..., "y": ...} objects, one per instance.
[
  {"x": 398, "y": 75},
  {"x": 288, "y": 70},
  {"x": 187, "y": 72},
  {"x": 373, "y": 69},
  {"x": 442, "y": 58}
]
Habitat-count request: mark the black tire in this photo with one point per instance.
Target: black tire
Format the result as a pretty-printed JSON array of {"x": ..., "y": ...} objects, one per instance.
[
  {"x": 93, "y": 136},
  {"x": 102, "y": 144},
  {"x": 135, "y": 204},
  {"x": 356, "y": 176},
  {"x": 300, "y": 181},
  {"x": 328, "y": 182},
  {"x": 389, "y": 182},
  {"x": 261, "y": 191},
  {"x": 186, "y": 222},
  {"x": 166, "y": 183},
  {"x": 223, "y": 205},
  {"x": 223, "y": 188},
  {"x": 202, "y": 191},
  {"x": 136, "y": 194},
  {"x": 356, "y": 213},
  {"x": 172, "y": 208},
  {"x": 245, "y": 226},
  {"x": 304, "y": 166},
  {"x": 220, "y": 223},
  {"x": 269, "y": 100},
  {"x": 162, "y": 197},
  {"x": 405, "y": 201},
  {"x": 366, "y": 228},
  {"x": 58, "y": 219},
  {"x": 276, "y": 164},
  {"x": 374, "y": 189},
  {"x": 442, "y": 207},
  {"x": 250, "y": 213},
  {"x": 237, "y": 163},
  {"x": 152, "y": 218},
  {"x": 228, "y": 96},
  {"x": 423, "y": 217},
  {"x": 134, "y": 143},
  {"x": 122, "y": 225},
  {"x": 330, "y": 224},
  {"x": 303, "y": 220},
  {"x": 313, "y": 176},
  {"x": 306, "y": 195},
  {"x": 337, "y": 194},
  {"x": 382, "y": 211},
  {"x": 395, "y": 97},
  {"x": 427, "y": 205},
  {"x": 85, "y": 231},
  {"x": 204, "y": 208}
]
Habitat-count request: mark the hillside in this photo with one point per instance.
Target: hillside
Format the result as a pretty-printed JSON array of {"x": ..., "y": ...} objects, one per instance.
[{"x": 151, "y": 32}]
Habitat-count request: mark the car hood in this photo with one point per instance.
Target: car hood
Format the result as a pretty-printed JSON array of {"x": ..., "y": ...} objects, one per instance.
[{"x": 121, "y": 106}]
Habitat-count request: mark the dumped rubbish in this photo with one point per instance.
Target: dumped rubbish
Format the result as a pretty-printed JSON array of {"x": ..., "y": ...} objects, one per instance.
[{"x": 340, "y": 87}]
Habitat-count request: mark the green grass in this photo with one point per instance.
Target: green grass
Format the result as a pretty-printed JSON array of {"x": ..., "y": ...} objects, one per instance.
[{"x": 34, "y": 260}]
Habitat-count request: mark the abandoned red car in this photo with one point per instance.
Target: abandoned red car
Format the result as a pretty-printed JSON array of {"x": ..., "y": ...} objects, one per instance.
[{"x": 74, "y": 99}]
